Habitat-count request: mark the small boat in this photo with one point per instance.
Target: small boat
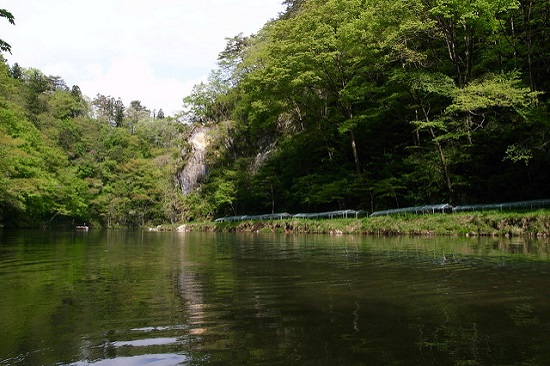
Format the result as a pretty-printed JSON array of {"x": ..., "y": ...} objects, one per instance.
[{"x": 82, "y": 227}]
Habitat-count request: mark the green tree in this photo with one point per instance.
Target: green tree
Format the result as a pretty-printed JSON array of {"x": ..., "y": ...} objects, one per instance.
[
  {"x": 36, "y": 85},
  {"x": 4, "y": 46},
  {"x": 136, "y": 113},
  {"x": 292, "y": 7},
  {"x": 208, "y": 102},
  {"x": 160, "y": 114},
  {"x": 109, "y": 109},
  {"x": 16, "y": 71},
  {"x": 465, "y": 26},
  {"x": 38, "y": 184},
  {"x": 317, "y": 68}
]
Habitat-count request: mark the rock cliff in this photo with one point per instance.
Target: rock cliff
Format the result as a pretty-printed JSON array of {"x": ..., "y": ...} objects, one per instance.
[{"x": 196, "y": 167}]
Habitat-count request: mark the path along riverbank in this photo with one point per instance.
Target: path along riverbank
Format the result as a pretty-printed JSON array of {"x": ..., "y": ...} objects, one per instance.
[{"x": 490, "y": 223}]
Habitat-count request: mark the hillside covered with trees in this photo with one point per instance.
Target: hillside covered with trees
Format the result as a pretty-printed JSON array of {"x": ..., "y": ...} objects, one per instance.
[
  {"x": 65, "y": 159},
  {"x": 383, "y": 104},
  {"x": 336, "y": 104}
]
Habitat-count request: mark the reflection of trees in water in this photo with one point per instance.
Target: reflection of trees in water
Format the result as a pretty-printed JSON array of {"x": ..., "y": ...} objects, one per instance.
[
  {"x": 521, "y": 246},
  {"x": 460, "y": 343},
  {"x": 191, "y": 291},
  {"x": 473, "y": 321},
  {"x": 233, "y": 308},
  {"x": 474, "y": 341},
  {"x": 292, "y": 301}
]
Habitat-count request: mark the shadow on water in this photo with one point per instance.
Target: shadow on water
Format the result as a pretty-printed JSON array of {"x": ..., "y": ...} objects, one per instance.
[{"x": 136, "y": 298}]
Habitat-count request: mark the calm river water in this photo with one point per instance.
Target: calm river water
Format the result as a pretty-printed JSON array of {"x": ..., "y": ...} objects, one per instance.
[{"x": 141, "y": 298}]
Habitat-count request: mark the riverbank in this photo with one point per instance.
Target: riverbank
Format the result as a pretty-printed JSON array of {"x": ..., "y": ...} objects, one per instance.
[{"x": 493, "y": 223}]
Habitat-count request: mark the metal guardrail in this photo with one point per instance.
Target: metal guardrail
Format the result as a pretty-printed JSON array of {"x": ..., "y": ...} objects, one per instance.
[
  {"x": 447, "y": 208},
  {"x": 426, "y": 209},
  {"x": 344, "y": 214},
  {"x": 533, "y": 204},
  {"x": 418, "y": 210}
]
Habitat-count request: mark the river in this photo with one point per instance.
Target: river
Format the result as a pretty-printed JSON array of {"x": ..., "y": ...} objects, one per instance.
[{"x": 165, "y": 298}]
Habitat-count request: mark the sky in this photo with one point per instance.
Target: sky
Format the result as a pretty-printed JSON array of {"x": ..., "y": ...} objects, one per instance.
[{"x": 148, "y": 50}]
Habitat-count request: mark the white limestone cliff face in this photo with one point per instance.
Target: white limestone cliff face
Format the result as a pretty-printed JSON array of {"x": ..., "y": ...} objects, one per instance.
[
  {"x": 200, "y": 141},
  {"x": 196, "y": 168}
]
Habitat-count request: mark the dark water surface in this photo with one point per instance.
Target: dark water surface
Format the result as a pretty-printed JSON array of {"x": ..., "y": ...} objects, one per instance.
[{"x": 139, "y": 298}]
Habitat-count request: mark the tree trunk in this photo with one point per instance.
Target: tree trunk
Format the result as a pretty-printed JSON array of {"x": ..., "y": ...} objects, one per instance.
[
  {"x": 527, "y": 8},
  {"x": 442, "y": 157},
  {"x": 355, "y": 154},
  {"x": 444, "y": 163}
]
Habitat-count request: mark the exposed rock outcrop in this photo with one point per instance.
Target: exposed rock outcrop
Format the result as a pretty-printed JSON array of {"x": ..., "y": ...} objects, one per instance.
[{"x": 196, "y": 167}]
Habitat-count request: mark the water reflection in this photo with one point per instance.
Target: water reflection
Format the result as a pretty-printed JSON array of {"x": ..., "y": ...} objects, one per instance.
[
  {"x": 150, "y": 360},
  {"x": 423, "y": 293},
  {"x": 133, "y": 298}
]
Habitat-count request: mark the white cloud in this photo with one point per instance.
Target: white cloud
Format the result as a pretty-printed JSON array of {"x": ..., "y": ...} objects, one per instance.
[
  {"x": 154, "y": 51},
  {"x": 134, "y": 79}
]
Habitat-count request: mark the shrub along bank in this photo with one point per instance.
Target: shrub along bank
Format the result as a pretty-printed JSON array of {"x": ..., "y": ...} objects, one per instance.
[{"x": 535, "y": 224}]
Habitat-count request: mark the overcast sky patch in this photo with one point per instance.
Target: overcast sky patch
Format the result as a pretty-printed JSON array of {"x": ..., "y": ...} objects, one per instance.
[{"x": 152, "y": 51}]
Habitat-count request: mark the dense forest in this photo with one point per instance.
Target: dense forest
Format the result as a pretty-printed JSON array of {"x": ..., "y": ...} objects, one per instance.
[
  {"x": 66, "y": 159},
  {"x": 363, "y": 104}
]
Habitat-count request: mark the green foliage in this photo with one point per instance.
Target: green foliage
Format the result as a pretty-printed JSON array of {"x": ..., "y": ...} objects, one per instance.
[
  {"x": 517, "y": 153},
  {"x": 432, "y": 96},
  {"x": 60, "y": 166},
  {"x": 35, "y": 190},
  {"x": 195, "y": 208},
  {"x": 64, "y": 104},
  {"x": 337, "y": 104},
  {"x": 4, "y": 46},
  {"x": 208, "y": 102},
  {"x": 494, "y": 91}
]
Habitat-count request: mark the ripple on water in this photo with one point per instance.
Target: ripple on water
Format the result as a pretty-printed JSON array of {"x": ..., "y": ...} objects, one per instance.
[
  {"x": 169, "y": 359},
  {"x": 160, "y": 345}
]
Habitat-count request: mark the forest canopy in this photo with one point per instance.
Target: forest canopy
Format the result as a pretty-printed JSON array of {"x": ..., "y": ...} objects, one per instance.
[
  {"x": 384, "y": 104},
  {"x": 335, "y": 104},
  {"x": 68, "y": 160}
]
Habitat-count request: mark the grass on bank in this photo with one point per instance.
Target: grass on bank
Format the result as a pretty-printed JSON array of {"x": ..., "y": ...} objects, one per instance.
[{"x": 489, "y": 223}]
